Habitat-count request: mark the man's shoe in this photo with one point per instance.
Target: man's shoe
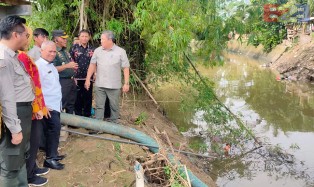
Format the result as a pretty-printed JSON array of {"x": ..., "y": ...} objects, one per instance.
[
  {"x": 59, "y": 157},
  {"x": 41, "y": 171},
  {"x": 53, "y": 164},
  {"x": 37, "y": 181}
]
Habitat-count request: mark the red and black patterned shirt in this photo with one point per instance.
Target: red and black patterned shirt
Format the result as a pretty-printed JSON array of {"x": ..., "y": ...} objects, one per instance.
[{"x": 82, "y": 56}]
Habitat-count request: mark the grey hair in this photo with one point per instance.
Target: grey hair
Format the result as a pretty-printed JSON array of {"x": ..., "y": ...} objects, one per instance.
[
  {"x": 109, "y": 34},
  {"x": 47, "y": 43}
]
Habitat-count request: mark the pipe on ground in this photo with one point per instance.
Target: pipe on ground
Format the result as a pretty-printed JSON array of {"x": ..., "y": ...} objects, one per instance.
[{"x": 125, "y": 132}]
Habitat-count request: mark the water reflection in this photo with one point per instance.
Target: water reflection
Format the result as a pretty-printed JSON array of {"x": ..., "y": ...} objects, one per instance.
[{"x": 280, "y": 113}]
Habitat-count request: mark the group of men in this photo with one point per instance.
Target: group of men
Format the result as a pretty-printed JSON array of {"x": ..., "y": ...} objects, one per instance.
[{"x": 32, "y": 95}]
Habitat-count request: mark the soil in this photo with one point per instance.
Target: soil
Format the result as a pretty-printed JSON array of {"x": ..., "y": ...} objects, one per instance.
[
  {"x": 94, "y": 162},
  {"x": 292, "y": 60}
]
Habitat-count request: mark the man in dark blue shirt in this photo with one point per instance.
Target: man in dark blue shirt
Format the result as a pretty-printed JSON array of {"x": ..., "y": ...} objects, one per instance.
[{"x": 82, "y": 53}]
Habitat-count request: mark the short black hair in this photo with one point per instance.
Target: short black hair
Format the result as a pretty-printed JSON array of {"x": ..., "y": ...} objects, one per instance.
[
  {"x": 84, "y": 31},
  {"x": 11, "y": 24},
  {"x": 40, "y": 31}
]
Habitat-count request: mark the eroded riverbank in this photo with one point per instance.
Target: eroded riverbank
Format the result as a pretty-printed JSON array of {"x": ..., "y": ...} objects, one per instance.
[{"x": 293, "y": 61}]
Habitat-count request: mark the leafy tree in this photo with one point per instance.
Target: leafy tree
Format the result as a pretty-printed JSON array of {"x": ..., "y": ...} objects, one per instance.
[{"x": 167, "y": 29}]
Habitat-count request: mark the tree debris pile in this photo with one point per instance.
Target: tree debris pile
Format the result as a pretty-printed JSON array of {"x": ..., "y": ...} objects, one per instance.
[{"x": 159, "y": 170}]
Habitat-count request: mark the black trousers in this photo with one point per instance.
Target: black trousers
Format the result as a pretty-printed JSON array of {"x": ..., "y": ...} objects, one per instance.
[
  {"x": 83, "y": 104},
  {"x": 36, "y": 134},
  {"x": 68, "y": 88},
  {"x": 52, "y": 127}
]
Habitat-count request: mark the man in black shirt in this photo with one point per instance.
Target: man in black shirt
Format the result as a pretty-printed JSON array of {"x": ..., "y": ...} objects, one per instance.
[{"x": 82, "y": 53}]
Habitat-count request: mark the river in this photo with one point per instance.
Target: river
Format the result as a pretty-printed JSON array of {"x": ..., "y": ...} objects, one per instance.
[{"x": 280, "y": 113}]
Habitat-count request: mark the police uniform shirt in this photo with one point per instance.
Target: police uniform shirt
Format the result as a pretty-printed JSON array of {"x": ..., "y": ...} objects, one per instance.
[{"x": 15, "y": 86}]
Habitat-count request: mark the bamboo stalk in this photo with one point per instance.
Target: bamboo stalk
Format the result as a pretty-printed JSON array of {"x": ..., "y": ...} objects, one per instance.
[
  {"x": 149, "y": 169},
  {"x": 187, "y": 176},
  {"x": 168, "y": 141},
  {"x": 150, "y": 162},
  {"x": 143, "y": 85},
  {"x": 82, "y": 15}
]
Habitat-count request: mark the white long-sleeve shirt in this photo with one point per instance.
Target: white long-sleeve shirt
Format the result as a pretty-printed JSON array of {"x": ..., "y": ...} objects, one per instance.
[{"x": 50, "y": 84}]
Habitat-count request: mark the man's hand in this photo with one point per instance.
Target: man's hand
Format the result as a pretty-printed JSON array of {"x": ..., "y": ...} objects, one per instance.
[
  {"x": 39, "y": 115},
  {"x": 87, "y": 84},
  {"x": 75, "y": 81},
  {"x": 17, "y": 138},
  {"x": 48, "y": 113},
  {"x": 125, "y": 88},
  {"x": 72, "y": 65}
]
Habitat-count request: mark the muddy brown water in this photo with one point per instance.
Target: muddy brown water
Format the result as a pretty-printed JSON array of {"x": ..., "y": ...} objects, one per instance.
[{"x": 281, "y": 113}]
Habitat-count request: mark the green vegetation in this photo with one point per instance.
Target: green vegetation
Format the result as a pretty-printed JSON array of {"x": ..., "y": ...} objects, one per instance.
[
  {"x": 175, "y": 181},
  {"x": 197, "y": 144},
  {"x": 140, "y": 120},
  {"x": 117, "y": 148}
]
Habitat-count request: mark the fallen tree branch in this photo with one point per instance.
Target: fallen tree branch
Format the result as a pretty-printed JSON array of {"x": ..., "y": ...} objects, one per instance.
[{"x": 143, "y": 85}]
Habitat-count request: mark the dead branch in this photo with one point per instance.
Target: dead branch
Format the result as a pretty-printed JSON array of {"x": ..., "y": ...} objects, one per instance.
[{"x": 143, "y": 85}]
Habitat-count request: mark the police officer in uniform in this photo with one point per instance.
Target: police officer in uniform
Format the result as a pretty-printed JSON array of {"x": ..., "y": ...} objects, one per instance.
[
  {"x": 66, "y": 68},
  {"x": 16, "y": 96}
]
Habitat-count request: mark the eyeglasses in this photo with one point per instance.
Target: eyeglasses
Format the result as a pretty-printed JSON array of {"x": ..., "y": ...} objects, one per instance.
[{"x": 27, "y": 34}]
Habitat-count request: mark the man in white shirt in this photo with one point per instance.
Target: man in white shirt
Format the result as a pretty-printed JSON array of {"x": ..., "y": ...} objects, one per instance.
[{"x": 51, "y": 89}]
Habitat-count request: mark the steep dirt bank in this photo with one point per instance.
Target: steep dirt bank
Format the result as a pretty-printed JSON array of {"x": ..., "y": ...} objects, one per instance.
[
  {"x": 293, "y": 61},
  {"x": 93, "y": 162}
]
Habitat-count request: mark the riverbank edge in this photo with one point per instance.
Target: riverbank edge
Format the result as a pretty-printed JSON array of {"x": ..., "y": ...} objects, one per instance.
[{"x": 292, "y": 61}]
